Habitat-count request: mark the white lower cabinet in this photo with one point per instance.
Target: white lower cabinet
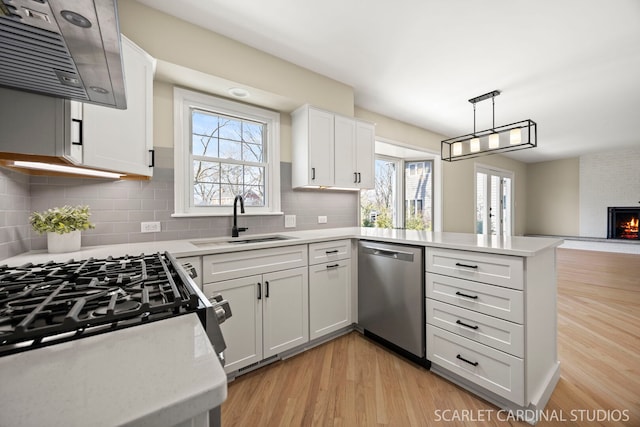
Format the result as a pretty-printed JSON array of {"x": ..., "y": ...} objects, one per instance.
[
  {"x": 243, "y": 330},
  {"x": 491, "y": 324},
  {"x": 285, "y": 316},
  {"x": 329, "y": 287},
  {"x": 493, "y": 370},
  {"x": 269, "y": 315},
  {"x": 329, "y": 297}
]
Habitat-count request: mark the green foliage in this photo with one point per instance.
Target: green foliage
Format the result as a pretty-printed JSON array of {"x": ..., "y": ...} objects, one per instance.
[
  {"x": 414, "y": 222},
  {"x": 384, "y": 219},
  {"x": 61, "y": 220}
]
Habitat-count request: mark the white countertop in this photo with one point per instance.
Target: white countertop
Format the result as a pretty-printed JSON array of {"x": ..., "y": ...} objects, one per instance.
[
  {"x": 517, "y": 245},
  {"x": 157, "y": 374}
]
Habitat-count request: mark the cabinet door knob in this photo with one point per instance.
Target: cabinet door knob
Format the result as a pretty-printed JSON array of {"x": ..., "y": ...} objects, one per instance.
[
  {"x": 266, "y": 289},
  {"x": 355, "y": 177},
  {"x": 313, "y": 173},
  {"x": 259, "y": 290}
]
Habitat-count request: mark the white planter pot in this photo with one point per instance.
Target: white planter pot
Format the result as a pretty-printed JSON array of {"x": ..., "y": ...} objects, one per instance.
[{"x": 68, "y": 242}]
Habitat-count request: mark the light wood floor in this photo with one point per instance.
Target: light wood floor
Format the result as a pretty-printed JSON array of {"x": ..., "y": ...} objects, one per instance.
[{"x": 353, "y": 382}]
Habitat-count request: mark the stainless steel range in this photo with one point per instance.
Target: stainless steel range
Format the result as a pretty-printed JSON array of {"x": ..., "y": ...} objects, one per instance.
[{"x": 50, "y": 303}]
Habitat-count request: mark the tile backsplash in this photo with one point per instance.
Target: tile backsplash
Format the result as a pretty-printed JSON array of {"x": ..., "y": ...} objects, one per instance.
[
  {"x": 118, "y": 207},
  {"x": 15, "y": 208}
]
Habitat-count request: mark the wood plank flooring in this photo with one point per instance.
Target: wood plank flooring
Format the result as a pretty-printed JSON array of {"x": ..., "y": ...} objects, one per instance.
[{"x": 352, "y": 381}]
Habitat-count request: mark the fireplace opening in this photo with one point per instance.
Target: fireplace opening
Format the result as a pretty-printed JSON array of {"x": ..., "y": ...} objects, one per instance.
[{"x": 623, "y": 223}]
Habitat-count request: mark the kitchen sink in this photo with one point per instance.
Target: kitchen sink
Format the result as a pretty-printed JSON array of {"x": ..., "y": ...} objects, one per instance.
[
  {"x": 240, "y": 241},
  {"x": 259, "y": 240}
]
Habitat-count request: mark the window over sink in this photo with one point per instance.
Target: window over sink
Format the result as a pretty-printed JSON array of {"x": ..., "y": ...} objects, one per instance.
[{"x": 224, "y": 149}]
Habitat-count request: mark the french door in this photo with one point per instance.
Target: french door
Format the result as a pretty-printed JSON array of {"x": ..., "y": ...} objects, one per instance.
[{"x": 494, "y": 201}]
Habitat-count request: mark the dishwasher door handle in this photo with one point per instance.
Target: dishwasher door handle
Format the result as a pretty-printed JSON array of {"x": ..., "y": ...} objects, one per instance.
[{"x": 405, "y": 256}]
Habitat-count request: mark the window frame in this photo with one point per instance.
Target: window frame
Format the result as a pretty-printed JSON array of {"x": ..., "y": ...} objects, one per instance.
[
  {"x": 399, "y": 214},
  {"x": 184, "y": 101}
]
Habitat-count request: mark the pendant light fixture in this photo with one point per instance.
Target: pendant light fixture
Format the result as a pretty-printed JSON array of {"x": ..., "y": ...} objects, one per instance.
[{"x": 498, "y": 139}]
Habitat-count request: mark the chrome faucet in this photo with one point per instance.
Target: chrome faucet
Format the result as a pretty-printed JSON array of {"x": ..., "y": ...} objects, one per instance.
[{"x": 235, "y": 230}]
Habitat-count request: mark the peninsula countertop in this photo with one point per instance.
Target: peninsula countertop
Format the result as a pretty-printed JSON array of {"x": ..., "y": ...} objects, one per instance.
[
  {"x": 158, "y": 374},
  {"x": 514, "y": 245}
]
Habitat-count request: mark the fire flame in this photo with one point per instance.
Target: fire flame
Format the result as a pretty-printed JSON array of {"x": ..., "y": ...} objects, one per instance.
[
  {"x": 632, "y": 225},
  {"x": 630, "y": 229}
]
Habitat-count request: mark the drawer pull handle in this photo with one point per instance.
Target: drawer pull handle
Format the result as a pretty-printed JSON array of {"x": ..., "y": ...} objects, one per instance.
[
  {"x": 465, "y": 360},
  {"x": 467, "y": 296},
  {"x": 465, "y": 325},
  {"x": 333, "y": 266},
  {"x": 335, "y": 251},
  {"x": 266, "y": 290},
  {"x": 458, "y": 264},
  {"x": 259, "y": 291}
]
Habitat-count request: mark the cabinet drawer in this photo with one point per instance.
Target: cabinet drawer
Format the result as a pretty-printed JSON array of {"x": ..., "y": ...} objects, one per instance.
[
  {"x": 507, "y": 304},
  {"x": 329, "y": 251},
  {"x": 501, "y": 270},
  {"x": 488, "y": 330},
  {"x": 240, "y": 264},
  {"x": 491, "y": 369}
]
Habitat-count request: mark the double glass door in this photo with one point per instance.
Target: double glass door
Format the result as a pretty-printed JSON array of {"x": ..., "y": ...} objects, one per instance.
[{"x": 494, "y": 201}]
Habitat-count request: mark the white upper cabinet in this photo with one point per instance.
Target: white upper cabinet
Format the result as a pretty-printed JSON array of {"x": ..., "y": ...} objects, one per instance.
[
  {"x": 313, "y": 141},
  {"x": 330, "y": 150},
  {"x": 33, "y": 126},
  {"x": 354, "y": 153},
  {"x": 122, "y": 140},
  {"x": 345, "y": 152},
  {"x": 365, "y": 154}
]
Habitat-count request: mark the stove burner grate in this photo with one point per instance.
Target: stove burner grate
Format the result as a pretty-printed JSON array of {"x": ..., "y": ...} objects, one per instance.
[{"x": 77, "y": 298}]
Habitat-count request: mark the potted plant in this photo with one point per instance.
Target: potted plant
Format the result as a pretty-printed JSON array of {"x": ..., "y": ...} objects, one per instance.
[{"x": 63, "y": 226}]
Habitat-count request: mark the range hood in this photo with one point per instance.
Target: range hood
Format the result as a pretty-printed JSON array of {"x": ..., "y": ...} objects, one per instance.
[{"x": 63, "y": 48}]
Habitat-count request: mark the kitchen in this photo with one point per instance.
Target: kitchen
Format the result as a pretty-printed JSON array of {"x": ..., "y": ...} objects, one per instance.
[{"x": 119, "y": 207}]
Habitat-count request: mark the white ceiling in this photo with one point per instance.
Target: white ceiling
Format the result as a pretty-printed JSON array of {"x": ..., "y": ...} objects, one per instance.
[{"x": 572, "y": 66}]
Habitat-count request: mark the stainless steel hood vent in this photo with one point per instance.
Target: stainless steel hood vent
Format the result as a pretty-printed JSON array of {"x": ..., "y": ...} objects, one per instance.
[{"x": 63, "y": 48}]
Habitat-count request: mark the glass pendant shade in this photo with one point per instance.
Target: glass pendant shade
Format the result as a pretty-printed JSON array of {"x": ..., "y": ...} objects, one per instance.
[
  {"x": 474, "y": 145},
  {"x": 494, "y": 140},
  {"x": 515, "y": 136},
  {"x": 522, "y": 135}
]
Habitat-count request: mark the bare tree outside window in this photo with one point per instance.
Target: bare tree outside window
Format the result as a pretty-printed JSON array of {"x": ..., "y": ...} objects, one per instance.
[
  {"x": 228, "y": 156},
  {"x": 377, "y": 204}
]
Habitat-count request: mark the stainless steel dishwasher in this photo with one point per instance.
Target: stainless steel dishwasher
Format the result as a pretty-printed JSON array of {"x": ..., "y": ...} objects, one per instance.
[{"x": 391, "y": 297}]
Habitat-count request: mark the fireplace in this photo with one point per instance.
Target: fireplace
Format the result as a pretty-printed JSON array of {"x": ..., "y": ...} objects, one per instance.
[{"x": 623, "y": 223}]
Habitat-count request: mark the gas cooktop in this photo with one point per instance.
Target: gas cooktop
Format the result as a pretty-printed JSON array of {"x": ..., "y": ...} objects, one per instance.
[{"x": 54, "y": 302}]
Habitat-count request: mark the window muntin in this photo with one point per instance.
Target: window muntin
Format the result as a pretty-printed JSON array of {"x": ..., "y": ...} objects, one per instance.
[
  {"x": 402, "y": 196},
  {"x": 418, "y": 195},
  {"x": 224, "y": 148},
  {"x": 228, "y": 159}
]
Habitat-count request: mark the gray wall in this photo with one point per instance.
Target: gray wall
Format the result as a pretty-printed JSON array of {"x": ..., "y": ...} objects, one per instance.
[
  {"x": 14, "y": 213},
  {"x": 553, "y": 205},
  {"x": 118, "y": 207}
]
